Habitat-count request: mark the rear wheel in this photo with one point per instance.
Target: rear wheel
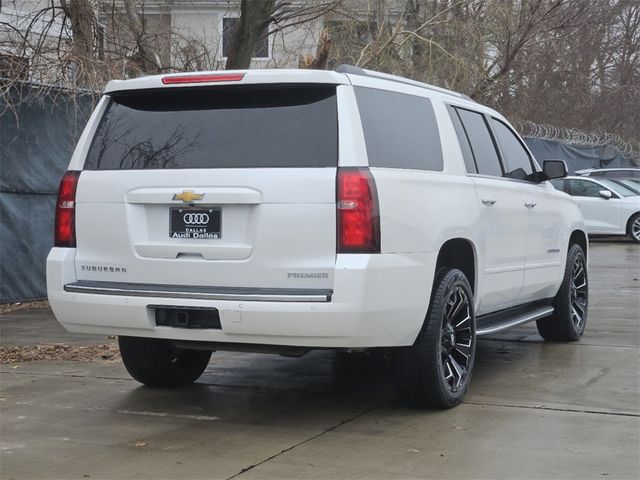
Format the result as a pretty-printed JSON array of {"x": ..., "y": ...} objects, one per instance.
[
  {"x": 435, "y": 371},
  {"x": 159, "y": 363},
  {"x": 568, "y": 321},
  {"x": 633, "y": 229}
]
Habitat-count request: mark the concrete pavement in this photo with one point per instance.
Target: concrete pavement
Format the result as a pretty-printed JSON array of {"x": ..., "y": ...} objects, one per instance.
[{"x": 534, "y": 410}]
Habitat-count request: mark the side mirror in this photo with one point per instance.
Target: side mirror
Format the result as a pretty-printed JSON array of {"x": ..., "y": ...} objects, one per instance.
[
  {"x": 606, "y": 194},
  {"x": 554, "y": 169}
]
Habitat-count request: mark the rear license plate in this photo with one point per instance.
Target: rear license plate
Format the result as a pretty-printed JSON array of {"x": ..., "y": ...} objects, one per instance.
[{"x": 200, "y": 223}]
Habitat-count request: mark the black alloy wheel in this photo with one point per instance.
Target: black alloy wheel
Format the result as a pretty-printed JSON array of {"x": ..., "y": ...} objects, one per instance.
[
  {"x": 435, "y": 371},
  {"x": 456, "y": 339},
  {"x": 571, "y": 305},
  {"x": 579, "y": 293}
]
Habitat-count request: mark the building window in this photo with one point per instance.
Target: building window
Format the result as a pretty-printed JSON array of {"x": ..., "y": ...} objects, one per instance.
[
  {"x": 14, "y": 67},
  {"x": 229, "y": 25}
]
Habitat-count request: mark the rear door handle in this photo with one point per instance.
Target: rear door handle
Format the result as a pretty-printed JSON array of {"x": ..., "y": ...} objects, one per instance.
[
  {"x": 488, "y": 201},
  {"x": 530, "y": 204}
]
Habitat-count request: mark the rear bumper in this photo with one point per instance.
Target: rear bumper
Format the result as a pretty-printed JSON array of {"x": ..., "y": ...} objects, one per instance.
[{"x": 377, "y": 300}]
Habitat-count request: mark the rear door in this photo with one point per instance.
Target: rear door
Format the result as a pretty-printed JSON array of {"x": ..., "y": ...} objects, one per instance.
[
  {"x": 217, "y": 186},
  {"x": 503, "y": 225}
]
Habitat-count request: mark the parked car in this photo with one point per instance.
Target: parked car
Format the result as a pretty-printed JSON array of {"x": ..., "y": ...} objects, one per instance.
[
  {"x": 290, "y": 210},
  {"x": 610, "y": 172},
  {"x": 609, "y": 207}
]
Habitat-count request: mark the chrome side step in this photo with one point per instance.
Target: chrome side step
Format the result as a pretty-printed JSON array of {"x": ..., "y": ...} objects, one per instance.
[
  {"x": 493, "y": 323},
  {"x": 198, "y": 292}
]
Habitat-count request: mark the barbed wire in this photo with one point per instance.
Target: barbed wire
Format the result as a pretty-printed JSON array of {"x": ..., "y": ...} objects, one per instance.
[{"x": 575, "y": 136}]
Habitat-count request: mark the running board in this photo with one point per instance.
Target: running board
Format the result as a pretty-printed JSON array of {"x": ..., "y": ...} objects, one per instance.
[{"x": 494, "y": 322}]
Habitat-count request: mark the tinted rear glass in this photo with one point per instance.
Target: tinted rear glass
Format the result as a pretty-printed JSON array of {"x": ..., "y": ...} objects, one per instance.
[
  {"x": 400, "y": 131},
  {"x": 230, "y": 127}
]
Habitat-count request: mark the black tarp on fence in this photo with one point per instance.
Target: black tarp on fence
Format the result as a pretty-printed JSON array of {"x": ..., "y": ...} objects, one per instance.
[
  {"x": 36, "y": 143},
  {"x": 577, "y": 157},
  {"x": 37, "y": 138}
]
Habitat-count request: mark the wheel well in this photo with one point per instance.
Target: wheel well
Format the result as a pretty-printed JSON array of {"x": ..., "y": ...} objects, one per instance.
[
  {"x": 459, "y": 253},
  {"x": 580, "y": 238},
  {"x": 628, "y": 227}
]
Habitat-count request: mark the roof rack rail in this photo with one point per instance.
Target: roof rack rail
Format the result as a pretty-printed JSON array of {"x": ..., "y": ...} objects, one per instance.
[{"x": 344, "y": 68}]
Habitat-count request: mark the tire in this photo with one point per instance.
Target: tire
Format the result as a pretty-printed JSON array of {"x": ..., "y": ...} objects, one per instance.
[
  {"x": 158, "y": 363},
  {"x": 568, "y": 321},
  {"x": 436, "y": 370},
  {"x": 633, "y": 228}
]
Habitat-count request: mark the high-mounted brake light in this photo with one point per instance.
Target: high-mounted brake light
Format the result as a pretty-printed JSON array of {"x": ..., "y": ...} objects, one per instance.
[
  {"x": 65, "y": 229},
  {"x": 357, "y": 211},
  {"x": 203, "y": 78}
]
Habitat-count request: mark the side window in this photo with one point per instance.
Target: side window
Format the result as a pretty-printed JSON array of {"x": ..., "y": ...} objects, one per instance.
[
  {"x": 561, "y": 184},
  {"x": 516, "y": 159},
  {"x": 584, "y": 188},
  {"x": 400, "y": 131},
  {"x": 463, "y": 140},
  {"x": 484, "y": 151}
]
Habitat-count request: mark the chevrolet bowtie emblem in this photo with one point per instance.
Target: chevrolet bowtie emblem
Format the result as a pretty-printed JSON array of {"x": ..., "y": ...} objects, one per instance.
[{"x": 188, "y": 196}]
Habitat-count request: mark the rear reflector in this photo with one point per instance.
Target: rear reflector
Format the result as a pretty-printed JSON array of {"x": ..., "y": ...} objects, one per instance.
[
  {"x": 206, "y": 78},
  {"x": 65, "y": 229},
  {"x": 358, "y": 214}
]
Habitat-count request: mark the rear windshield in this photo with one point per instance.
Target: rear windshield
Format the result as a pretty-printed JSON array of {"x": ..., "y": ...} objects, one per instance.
[{"x": 230, "y": 127}]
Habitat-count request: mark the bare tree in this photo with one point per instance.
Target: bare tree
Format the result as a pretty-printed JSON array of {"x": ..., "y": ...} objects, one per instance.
[
  {"x": 572, "y": 63},
  {"x": 82, "y": 19},
  {"x": 146, "y": 55},
  {"x": 319, "y": 60},
  {"x": 255, "y": 18},
  {"x": 262, "y": 18},
  {"x": 565, "y": 62}
]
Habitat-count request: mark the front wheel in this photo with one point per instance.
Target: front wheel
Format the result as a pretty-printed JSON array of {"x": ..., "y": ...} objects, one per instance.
[
  {"x": 568, "y": 321},
  {"x": 435, "y": 371},
  {"x": 159, "y": 363}
]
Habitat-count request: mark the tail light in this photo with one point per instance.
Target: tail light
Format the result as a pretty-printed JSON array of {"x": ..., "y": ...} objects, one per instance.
[
  {"x": 358, "y": 213},
  {"x": 65, "y": 230}
]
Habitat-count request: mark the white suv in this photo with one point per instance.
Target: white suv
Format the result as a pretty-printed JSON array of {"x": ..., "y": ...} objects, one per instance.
[{"x": 290, "y": 210}]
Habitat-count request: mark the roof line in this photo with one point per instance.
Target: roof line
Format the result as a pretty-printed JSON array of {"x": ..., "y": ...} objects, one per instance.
[{"x": 350, "y": 69}]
